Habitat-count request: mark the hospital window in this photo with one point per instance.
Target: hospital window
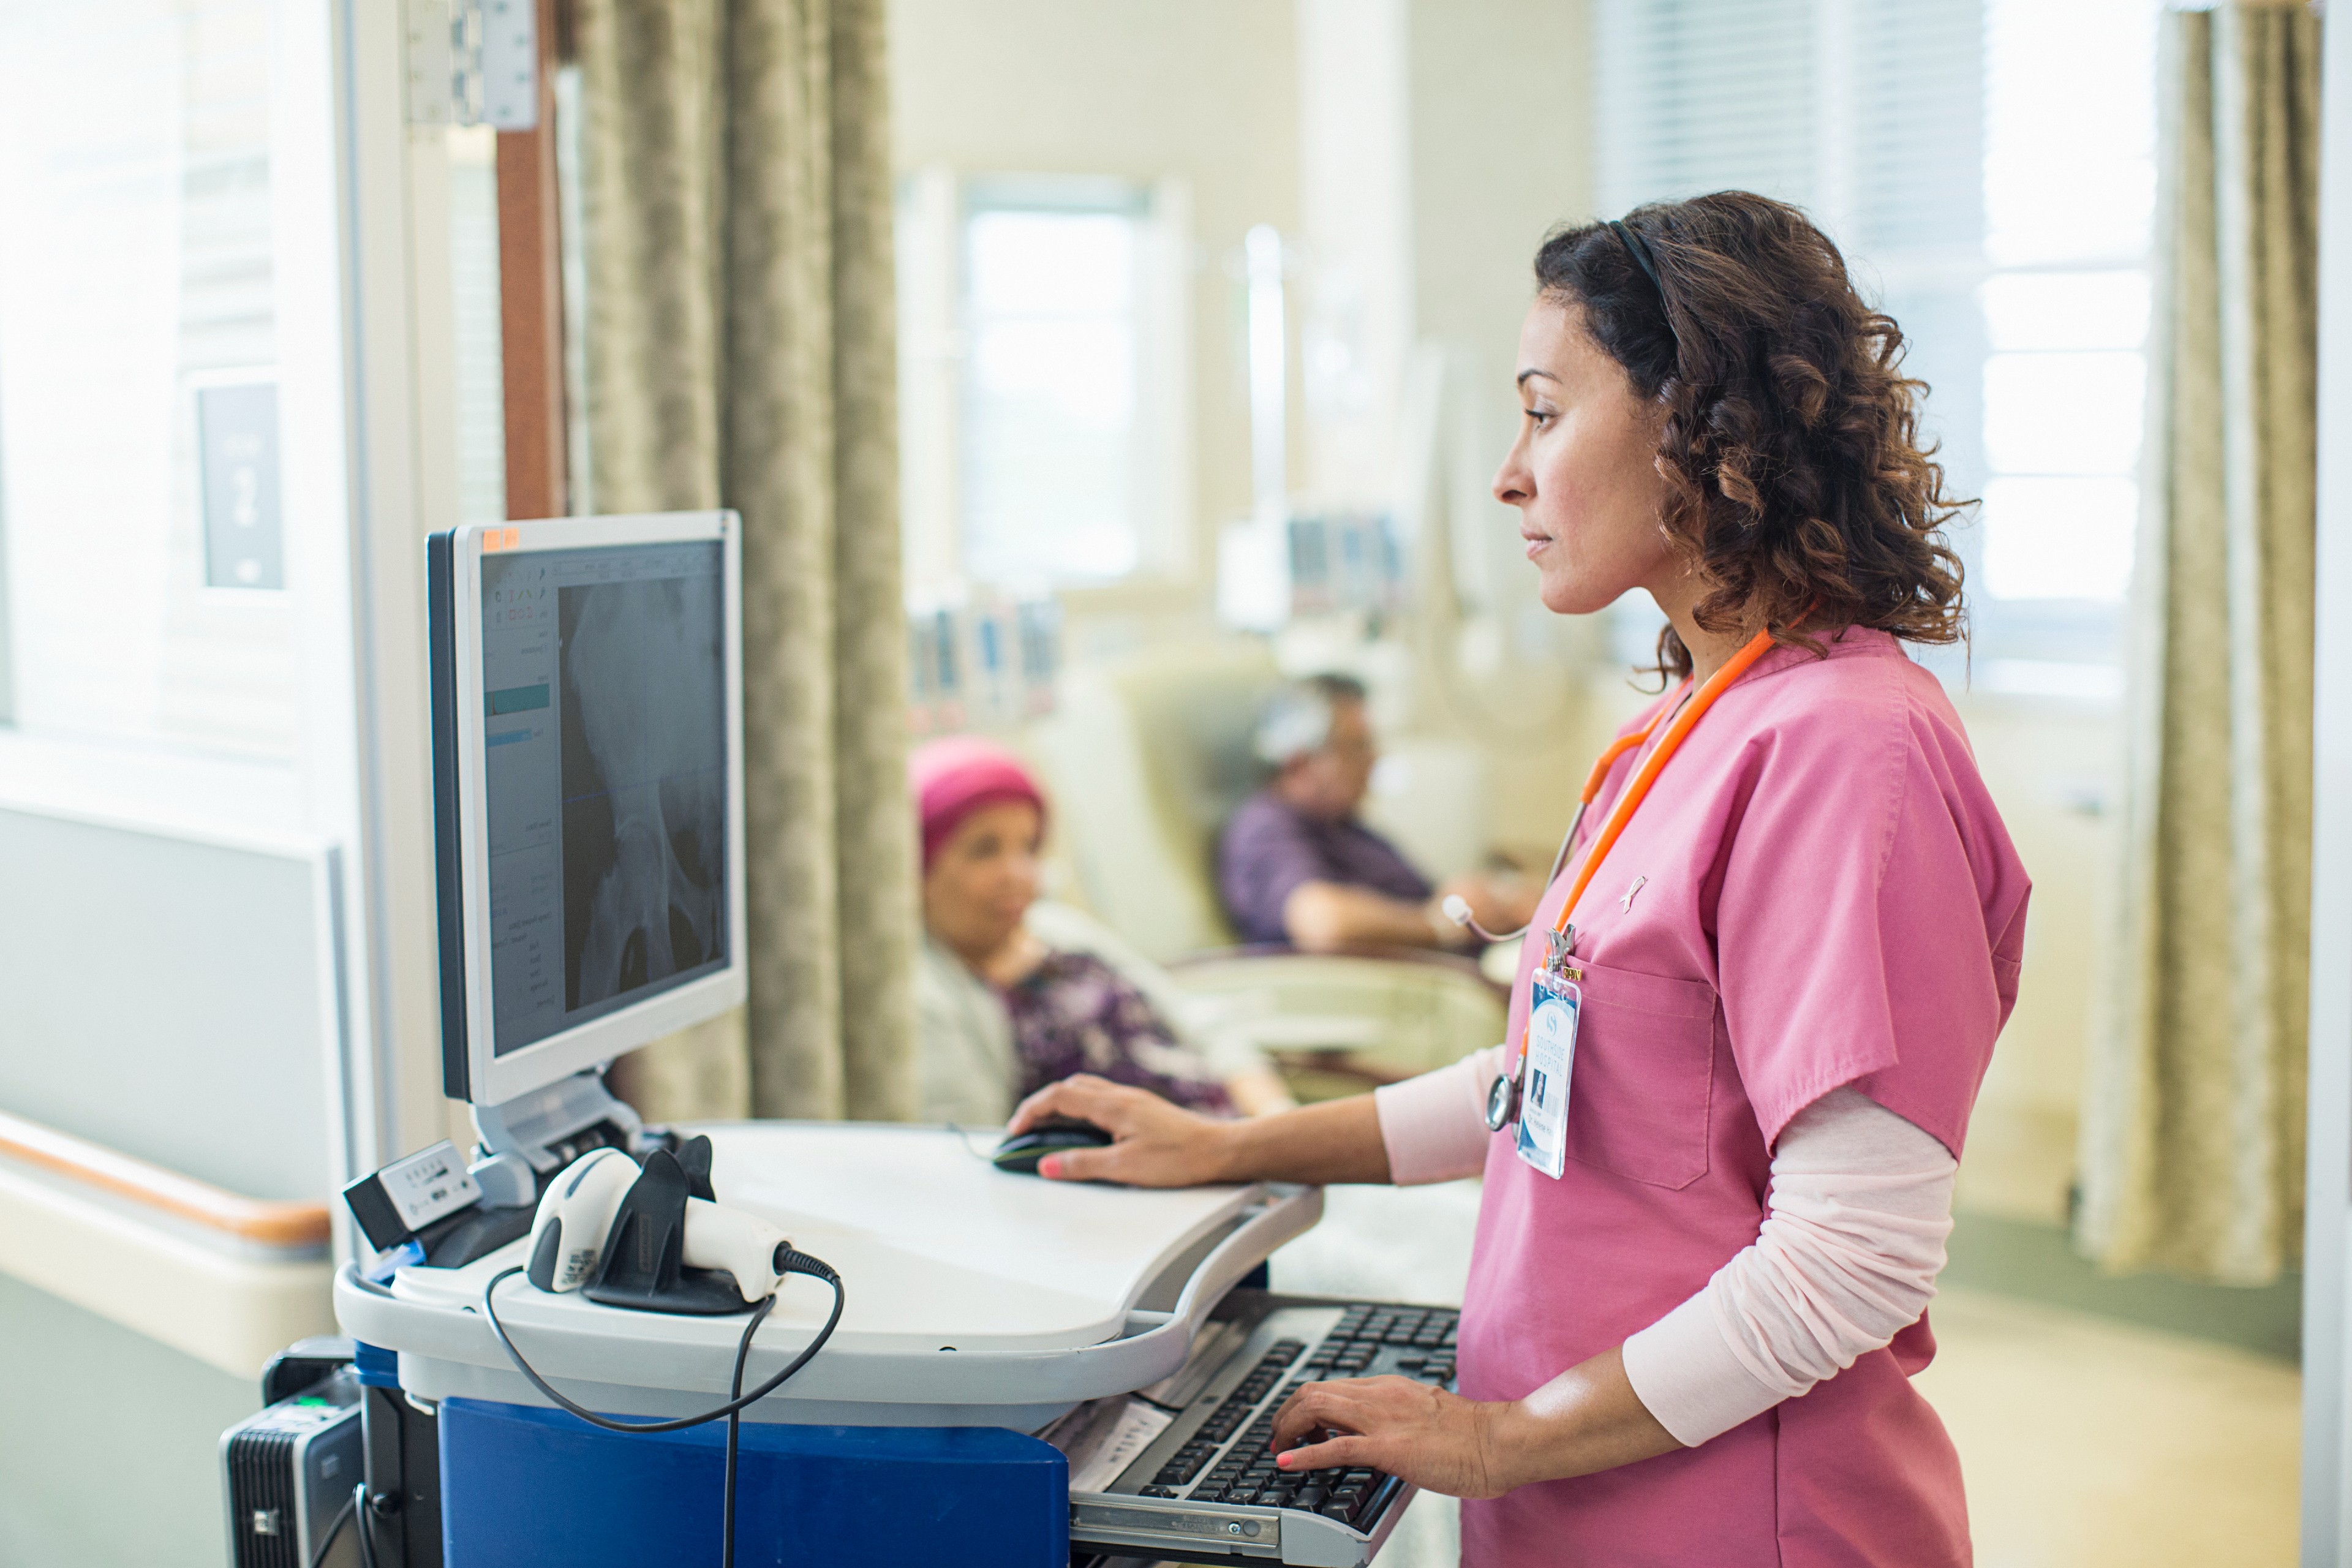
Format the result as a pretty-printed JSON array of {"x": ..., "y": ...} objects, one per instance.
[
  {"x": 2070, "y": 183},
  {"x": 1041, "y": 383},
  {"x": 142, "y": 548},
  {"x": 1988, "y": 167}
]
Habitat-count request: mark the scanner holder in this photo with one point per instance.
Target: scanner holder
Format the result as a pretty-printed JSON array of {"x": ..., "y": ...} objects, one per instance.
[
  {"x": 694, "y": 1159},
  {"x": 643, "y": 1266}
]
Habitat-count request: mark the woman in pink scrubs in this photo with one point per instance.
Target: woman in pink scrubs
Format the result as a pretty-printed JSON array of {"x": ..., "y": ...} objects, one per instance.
[{"x": 1694, "y": 1343}]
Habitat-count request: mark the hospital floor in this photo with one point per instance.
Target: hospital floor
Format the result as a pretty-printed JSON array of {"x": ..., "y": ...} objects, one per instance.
[{"x": 2085, "y": 1442}]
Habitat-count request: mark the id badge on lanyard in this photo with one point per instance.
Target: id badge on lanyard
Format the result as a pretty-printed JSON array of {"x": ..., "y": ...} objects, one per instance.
[{"x": 1554, "y": 1005}]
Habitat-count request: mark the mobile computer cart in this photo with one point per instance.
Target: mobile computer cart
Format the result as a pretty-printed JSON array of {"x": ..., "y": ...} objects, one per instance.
[{"x": 1020, "y": 1364}]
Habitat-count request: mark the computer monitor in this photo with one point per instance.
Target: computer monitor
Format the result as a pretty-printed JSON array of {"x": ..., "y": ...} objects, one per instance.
[{"x": 588, "y": 790}]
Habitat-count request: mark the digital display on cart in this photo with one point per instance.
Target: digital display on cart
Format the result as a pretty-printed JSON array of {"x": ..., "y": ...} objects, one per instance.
[{"x": 588, "y": 812}]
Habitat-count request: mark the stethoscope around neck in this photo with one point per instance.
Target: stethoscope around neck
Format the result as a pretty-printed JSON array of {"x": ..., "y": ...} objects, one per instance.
[
  {"x": 1679, "y": 717},
  {"x": 1457, "y": 908}
]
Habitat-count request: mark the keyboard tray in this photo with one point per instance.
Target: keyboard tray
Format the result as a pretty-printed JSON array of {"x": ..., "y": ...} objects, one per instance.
[{"x": 1204, "y": 1488}]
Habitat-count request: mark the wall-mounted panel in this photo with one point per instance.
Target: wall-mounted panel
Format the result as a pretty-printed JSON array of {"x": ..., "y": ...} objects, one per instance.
[{"x": 162, "y": 997}]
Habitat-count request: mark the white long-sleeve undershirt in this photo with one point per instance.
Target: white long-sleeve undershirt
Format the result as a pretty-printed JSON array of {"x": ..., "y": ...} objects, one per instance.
[{"x": 1853, "y": 1238}]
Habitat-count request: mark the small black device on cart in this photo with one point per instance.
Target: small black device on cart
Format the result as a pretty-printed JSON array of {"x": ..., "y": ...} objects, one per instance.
[{"x": 292, "y": 1473}]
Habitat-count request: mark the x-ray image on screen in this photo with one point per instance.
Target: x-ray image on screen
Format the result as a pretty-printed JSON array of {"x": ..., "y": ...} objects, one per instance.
[
  {"x": 643, "y": 721},
  {"x": 605, "y": 778}
]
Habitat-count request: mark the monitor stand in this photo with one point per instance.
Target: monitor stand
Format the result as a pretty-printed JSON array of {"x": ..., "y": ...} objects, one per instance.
[
  {"x": 524, "y": 1142},
  {"x": 533, "y": 1136}
]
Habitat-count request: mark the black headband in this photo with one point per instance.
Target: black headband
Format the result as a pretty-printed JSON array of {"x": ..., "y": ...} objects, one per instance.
[{"x": 1639, "y": 252}]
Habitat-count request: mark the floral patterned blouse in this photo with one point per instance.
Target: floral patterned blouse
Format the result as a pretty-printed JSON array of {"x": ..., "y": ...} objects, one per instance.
[{"x": 1074, "y": 1012}]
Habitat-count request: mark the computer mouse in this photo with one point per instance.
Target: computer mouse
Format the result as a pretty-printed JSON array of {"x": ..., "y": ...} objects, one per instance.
[{"x": 1021, "y": 1152}]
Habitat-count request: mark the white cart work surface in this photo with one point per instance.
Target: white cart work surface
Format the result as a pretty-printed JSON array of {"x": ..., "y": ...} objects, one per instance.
[{"x": 975, "y": 1298}]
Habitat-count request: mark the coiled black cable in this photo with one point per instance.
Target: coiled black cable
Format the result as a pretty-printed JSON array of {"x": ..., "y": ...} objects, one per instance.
[
  {"x": 342, "y": 1517},
  {"x": 788, "y": 1261}
]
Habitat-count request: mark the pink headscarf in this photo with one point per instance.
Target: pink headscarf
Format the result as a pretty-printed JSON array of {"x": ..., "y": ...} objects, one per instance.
[{"x": 954, "y": 777}]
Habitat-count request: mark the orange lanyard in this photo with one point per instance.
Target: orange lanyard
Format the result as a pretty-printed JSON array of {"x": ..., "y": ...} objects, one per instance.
[
  {"x": 1685, "y": 719},
  {"x": 1608, "y": 759}
]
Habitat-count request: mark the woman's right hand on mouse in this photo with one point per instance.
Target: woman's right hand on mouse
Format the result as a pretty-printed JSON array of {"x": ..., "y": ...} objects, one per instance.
[{"x": 1156, "y": 1144}]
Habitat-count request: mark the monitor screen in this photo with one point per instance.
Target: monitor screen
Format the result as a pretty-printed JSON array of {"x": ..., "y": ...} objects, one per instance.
[{"x": 605, "y": 789}]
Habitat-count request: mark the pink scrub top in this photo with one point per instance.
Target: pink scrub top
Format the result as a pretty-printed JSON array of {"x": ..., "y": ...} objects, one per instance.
[{"x": 1817, "y": 892}]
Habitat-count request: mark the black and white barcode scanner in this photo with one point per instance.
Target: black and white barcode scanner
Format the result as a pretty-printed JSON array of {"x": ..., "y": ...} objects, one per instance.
[
  {"x": 653, "y": 1238},
  {"x": 587, "y": 1210}
]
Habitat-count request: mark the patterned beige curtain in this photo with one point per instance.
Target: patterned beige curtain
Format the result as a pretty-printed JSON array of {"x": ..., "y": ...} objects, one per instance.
[
  {"x": 2193, "y": 1124},
  {"x": 735, "y": 222}
]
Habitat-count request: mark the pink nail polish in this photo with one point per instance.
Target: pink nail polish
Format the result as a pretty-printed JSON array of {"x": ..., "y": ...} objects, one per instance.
[
  {"x": 1283, "y": 1460},
  {"x": 1050, "y": 1166}
]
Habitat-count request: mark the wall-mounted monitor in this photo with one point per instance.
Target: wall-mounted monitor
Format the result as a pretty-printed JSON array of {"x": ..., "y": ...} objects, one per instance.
[{"x": 588, "y": 790}]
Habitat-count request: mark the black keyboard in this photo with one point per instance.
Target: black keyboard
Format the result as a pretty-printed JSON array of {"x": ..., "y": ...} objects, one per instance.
[{"x": 1227, "y": 1458}]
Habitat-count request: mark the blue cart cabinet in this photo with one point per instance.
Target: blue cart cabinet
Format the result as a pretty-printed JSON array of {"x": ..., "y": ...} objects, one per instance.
[
  {"x": 523, "y": 1485},
  {"x": 978, "y": 1306}
]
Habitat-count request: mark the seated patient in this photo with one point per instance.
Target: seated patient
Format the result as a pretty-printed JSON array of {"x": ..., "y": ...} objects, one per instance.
[
  {"x": 1295, "y": 863},
  {"x": 1013, "y": 993}
]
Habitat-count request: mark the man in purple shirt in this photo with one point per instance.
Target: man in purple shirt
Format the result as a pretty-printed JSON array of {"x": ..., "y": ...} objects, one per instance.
[{"x": 1294, "y": 865}]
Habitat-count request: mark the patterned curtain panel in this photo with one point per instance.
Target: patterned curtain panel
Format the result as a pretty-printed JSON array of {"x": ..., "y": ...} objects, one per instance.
[
  {"x": 735, "y": 224},
  {"x": 2194, "y": 1118}
]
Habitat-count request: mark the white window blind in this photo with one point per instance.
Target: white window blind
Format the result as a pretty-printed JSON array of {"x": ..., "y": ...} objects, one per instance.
[
  {"x": 1985, "y": 164},
  {"x": 2070, "y": 180},
  {"x": 1704, "y": 95}
]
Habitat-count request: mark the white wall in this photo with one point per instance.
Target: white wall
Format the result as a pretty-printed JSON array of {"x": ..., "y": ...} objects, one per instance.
[
  {"x": 1502, "y": 151},
  {"x": 1502, "y": 148},
  {"x": 2054, "y": 768},
  {"x": 1355, "y": 247}
]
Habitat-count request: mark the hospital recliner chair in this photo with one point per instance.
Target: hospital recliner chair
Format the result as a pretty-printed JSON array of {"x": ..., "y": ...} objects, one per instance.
[{"x": 1147, "y": 757}]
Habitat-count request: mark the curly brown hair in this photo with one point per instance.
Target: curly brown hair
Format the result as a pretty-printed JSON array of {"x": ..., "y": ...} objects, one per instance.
[{"x": 1796, "y": 479}]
